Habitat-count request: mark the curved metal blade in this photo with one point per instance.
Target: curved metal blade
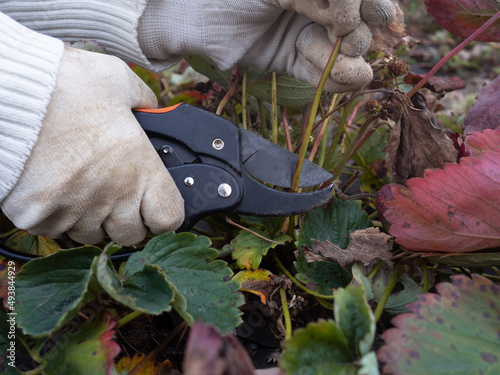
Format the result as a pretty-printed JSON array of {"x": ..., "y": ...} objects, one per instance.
[
  {"x": 261, "y": 200},
  {"x": 273, "y": 164}
]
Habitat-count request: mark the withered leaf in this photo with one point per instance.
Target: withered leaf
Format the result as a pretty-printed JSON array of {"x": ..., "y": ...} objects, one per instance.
[
  {"x": 391, "y": 36},
  {"x": 415, "y": 144},
  {"x": 436, "y": 84},
  {"x": 365, "y": 246}
]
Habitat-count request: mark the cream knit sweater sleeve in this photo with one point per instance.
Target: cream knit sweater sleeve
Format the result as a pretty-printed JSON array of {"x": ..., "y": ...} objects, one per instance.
[
  {"x": 30, "y": 55},
  {"x": 29, "y": 63}
]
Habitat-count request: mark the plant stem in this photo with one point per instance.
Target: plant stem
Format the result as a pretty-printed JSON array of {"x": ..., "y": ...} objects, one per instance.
[
  {"x": 286, "y": 129},
  {"x": 375, "y": 269},
  {"x": 128, "y": 318},
  {"x": 325, "y": 304},
  {"x": 286, "y": 314},
  {"x": 9, "y": 233},
  {"x": 298, "y": 283},
  {"x": 425, "y": 288},
  {"x": 452, "y": 53},
  {"x": 244, "y": 99},
  {"x": 353, "y": 147},
  {"x": 229, "y": 221},
  {"x": 262, "y": 116},
  {"x": 274, "y": 109},
  {"x": 225, "y": 99},
  {"x": 321, "y": 139},
  {"x": 387, "y": 291},
  {"x": 312, "y": 115}
]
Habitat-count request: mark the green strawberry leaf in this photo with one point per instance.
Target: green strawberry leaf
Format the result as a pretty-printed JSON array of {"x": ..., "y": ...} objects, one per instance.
[
  {"x": 321, "y": 277},
  {"x": 89, "y": 349},
  {"x": 147, "y": 290},
  {"x": 398, "y": 301},
  {"x": 454, "y": 331},
  {"x": 290, "y": 91},
  {"x": 355, "y": 318},
  {"x": 203, "y": 282},
  {"x": 27, "y": 243},
  {"x": 319, "y": 348},
  {"x": 248, "y": 248},
  {"x": 51, "y": 290},
  {"x": 333, "y": 223}
]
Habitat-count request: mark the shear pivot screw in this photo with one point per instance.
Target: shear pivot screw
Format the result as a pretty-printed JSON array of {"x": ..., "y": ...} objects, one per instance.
[
  {"x": 224, "y": 190},
  {"x": 166, "y": 150},
  {"x": 189, "y": 181},
  {"x": 218, "y": 144}
]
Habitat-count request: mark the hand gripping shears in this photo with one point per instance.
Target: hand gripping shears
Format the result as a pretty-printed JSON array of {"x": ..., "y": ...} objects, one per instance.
[{"x": 218, "y": 166}]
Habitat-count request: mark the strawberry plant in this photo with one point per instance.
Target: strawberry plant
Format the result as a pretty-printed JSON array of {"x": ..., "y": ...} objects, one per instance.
[{"x": 396, "y": 273}]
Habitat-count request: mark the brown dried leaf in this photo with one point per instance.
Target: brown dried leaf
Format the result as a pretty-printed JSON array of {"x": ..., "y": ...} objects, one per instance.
[
  {"x": 436, "y": 84},
  {"x": 392, "y": 36},
  {"x": 416, "y": 145},
  {"x": 365, "y": 246}
]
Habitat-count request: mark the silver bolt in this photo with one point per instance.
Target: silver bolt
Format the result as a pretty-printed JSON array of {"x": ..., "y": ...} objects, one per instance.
[
  {"x": 189, "y": 181},
  {"x": 165, "y": 150},
  {"x": 218, "y": 144},
  {"x": 224, "y": 190}
]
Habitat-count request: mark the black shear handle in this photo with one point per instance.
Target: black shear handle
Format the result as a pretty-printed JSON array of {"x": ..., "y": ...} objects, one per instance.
[{"x": 206, "y": 189}]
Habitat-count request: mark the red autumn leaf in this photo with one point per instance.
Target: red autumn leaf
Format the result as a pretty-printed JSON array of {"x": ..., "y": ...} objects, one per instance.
[
  {"x": 488, "y": 140},
  {"x": 207, "y": 352},
  {"x": 485, "y": 112},
  {"x": 452, "y": 210},
  {"x": 436, "y": 84},
  {"x": 463, "y": 17}
]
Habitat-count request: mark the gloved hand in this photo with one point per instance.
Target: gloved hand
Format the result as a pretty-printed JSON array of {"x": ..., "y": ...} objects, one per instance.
[
  {"x": 93, "y": 169},
  {"x": 293, "y": 36}
]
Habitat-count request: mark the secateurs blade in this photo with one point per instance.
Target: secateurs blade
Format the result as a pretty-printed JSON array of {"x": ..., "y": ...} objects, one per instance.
[{"x": 218, "y": 166}]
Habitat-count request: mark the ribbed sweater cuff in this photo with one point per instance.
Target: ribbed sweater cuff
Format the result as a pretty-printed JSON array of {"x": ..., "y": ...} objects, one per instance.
[
  {"x": 29, "y": 64},
  {"x": 113, "y": 23}
]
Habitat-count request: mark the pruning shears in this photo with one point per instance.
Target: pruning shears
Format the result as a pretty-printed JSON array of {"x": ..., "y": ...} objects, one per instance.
[{"x": 218, "y": 166}]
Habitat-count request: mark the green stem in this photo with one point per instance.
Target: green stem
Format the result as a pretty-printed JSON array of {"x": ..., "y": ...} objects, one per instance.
[
  {"x": 244, "y": 99},
  {"x": 491, "y": 277},
  {"x": 321, "y": 140},
  {"x": 325, "y": 304},
  {"x": 452, "y": 53},
  {"x": 336, "y": 138},
  {"x": 274, "y": 110},
  {"x": 128, "y": 318},
  {"x": 373, "y": 215},
  {"x": 495, "y": 269},
  {"x": 425, "y": 288},
  {"x": 375, "y": 269},
  {"x": 9, "y": 233},
  {"x": 298, "y": 283},
  {"x": 312, "y": 115},
  {"x": 286, "y": 314},
  {"x": 353, "y": 146},
  {"x": 387, "y": 292},
  {"x": 262, "y": 116}
]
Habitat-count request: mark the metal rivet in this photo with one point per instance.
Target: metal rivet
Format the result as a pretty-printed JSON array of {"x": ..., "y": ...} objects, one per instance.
[
  {"x": 218, "y": 144},
  {"x": 224, "y": 190},
  {"x": 189, "y": 181},
  {"x": 166, "y": 150}
]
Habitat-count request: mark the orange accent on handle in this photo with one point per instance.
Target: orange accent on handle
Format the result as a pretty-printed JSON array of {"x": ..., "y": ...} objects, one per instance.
[{"x": 157, "y": 110}]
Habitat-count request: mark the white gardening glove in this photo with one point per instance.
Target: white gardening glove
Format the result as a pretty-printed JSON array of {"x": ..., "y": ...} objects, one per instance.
[
  {"x": 293, "y": 36},
  {"x": 93, "y": 170}
]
